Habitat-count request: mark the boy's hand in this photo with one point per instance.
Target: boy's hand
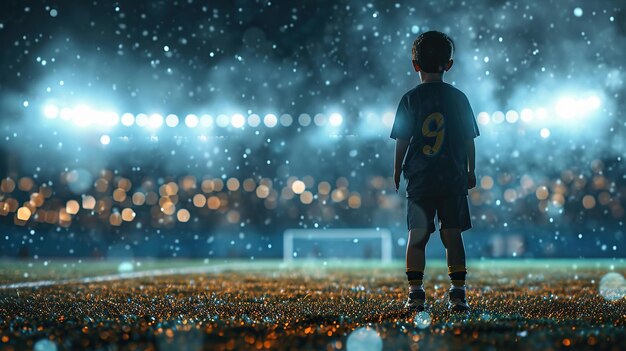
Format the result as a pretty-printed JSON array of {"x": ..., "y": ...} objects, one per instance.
[
  {"x": 396, "y": 180},
  {"x": 471, "y": 180}
]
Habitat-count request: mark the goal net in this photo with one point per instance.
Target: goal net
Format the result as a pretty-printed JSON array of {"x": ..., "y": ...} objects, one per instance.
[{"x": 337, "y": 244}]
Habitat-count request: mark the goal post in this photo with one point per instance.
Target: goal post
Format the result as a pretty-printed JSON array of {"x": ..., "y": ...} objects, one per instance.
[{"x": 338, "y": 238}]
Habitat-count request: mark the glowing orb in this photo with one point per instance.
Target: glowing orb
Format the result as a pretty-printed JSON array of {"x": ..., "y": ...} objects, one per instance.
[
  {"x": 612, "y": 286},
  {"x": 171, "y": 121},
  {"x": 422, "y": 320},
  {"x": 191, "y": 121},
  {"x": 366, "y": 339},
  {"x": 142, "y": 120},
  {"x": 270, "y": 120},
  {"x": 335, "y": 119},
  {"x": 105, "y": 139},
  {"x": 128, "y": 119},
  {"x": 304, "y": 119},
  {"x": 222, "y": 121},
  {"x": 51, "y": 111},
  {"x": 254, "y": 120},
  {"x": 545, "y": 133},
  {"x": 237, "y": 121},
  {"x": 155, "y": 121}
]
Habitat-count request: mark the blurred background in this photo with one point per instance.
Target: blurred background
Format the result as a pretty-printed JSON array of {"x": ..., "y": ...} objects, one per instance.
[{"x": 187, "y": 129}]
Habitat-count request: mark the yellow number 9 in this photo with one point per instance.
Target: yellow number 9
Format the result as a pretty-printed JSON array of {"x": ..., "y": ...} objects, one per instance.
[{"x": 433, "y": 120}]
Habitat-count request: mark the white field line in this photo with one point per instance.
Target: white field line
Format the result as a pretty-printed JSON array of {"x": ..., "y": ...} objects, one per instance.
[{"x": 120, "y": 276}]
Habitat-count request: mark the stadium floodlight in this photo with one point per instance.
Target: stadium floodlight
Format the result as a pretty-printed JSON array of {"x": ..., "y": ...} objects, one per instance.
[
  {"x": 51, "y": 111},
  {"x": 254, "y": 120},
  {"x": 128, "y": 119},
  {"x": 286, "y": 120},
  {"x": 222, "y": 120},
  {"x": 335, "y": 119},
  {"x": 107, "y": 118},
  {"x": 83, "y": 115},
  {"x": 270, "y": 120},
  {"x": 142, "y": 120},
  {"x": 497, "y": 117},
  {"x": 527, "y": 115},
  {"x": 314, "y": 238},
  {"x": 566, "y": 108},
  {"x": 156, "y": 120},
  {"x": 171, "y": 120},
  {"x": 483, "y": 118},
  {"x": 237, "y": 120},
  {"x": 319, "y": 119},
  {"x": 304, "y": 120},
  {"x": 512, "y": 116},
  {"x": 191, "y": 121},
  {"x": 206, "y": 121},
  {"x": 569, "y": 107}
]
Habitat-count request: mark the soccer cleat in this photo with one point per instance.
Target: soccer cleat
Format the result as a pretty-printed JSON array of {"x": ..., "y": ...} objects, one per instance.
[
  {"x": 456, "y": 301},
  {"x": 416, "y": 301}
]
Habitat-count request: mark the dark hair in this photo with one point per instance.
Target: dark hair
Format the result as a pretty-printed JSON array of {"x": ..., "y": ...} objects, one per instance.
[{"x": 432, "y": 51}]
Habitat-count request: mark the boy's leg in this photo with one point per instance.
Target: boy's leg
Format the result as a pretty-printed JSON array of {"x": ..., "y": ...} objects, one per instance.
[
  {"x": 416, "y": 257},
  {"x": 420, "y": 216},
  {"x": 455, "y": 256}
]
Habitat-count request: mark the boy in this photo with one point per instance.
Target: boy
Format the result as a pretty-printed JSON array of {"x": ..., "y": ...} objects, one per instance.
[{"x": 435, "y": 123}]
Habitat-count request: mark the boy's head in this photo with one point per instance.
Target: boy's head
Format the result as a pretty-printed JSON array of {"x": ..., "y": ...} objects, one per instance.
[{"x": 432, "y": 52}]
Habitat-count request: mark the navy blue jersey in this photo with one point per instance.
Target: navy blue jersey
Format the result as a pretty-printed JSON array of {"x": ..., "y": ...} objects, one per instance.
[{"x": 437, "y": 119}]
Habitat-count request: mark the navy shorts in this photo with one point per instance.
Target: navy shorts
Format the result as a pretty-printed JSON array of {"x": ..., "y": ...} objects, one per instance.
[{"x": 452, "y": 213}]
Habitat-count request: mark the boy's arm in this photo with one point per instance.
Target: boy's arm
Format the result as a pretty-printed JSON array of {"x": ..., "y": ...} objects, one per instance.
[
  {"x": 471, "y": 163},
  {"x": 401, "y": 147}
]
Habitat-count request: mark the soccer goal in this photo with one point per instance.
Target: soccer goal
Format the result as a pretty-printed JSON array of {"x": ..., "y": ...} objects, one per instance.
[{"x": 337, "y": 244}]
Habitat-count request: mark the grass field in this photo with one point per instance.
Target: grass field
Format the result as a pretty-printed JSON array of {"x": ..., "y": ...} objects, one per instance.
[{"x": 237, "y": 305}]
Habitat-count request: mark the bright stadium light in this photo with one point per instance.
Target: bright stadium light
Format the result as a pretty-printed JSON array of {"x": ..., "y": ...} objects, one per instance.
[
  {"x": 569, "y": 107},
  {"x": 319, "y": 119},
  {"x": 566, "y": 108},
  {"x": 142, "y": 120},
  {"x": 83, "y": 115},
  {"x": 483, "y": 118},
  {"x": 51, "y": 111},
  {"x": 191, "y": 121},
  {"x": 107, "y": 118},
  {"x": 156, "y": 120},
  {"x": 206, "y": 121},
  {"x": 128, "y": 119},
  {"x": 270, "y": 120},
  {"x": 335, "y": 119},
  {"x": 286, "y": 120},
  {"x": 304, "y": 120},
  {"x": 497, "y": 117},
  {"x": 237, "y": 120},
  {"x": 527, "y": 115},
  {"x": 254, "y": 120},
  {"x": 171, "y": 120},
  {"x": 222, "y": 120},
  {"x": 512, "y": 116}
]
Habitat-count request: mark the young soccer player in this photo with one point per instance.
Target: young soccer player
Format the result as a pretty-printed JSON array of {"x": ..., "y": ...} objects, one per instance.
[{"x": 435, "y": 124}]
